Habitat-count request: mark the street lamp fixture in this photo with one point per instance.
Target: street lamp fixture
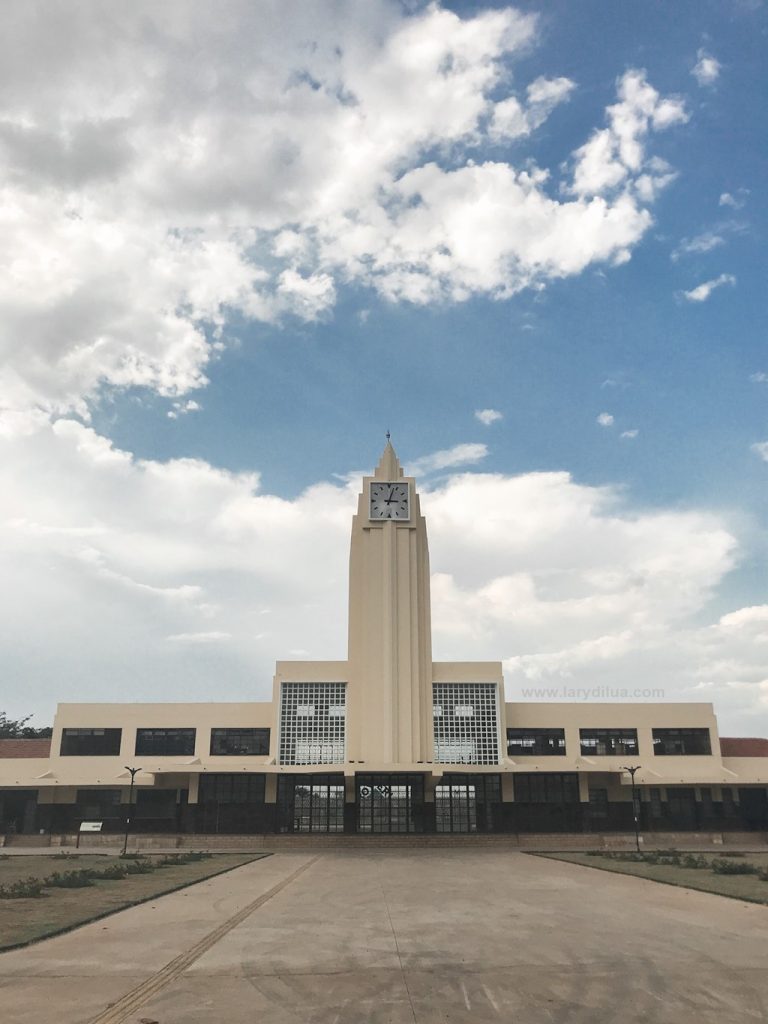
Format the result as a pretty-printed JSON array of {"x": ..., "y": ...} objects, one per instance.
[
  {"x": 635, "y": 815},
  {"x": 134, "y": 772}
]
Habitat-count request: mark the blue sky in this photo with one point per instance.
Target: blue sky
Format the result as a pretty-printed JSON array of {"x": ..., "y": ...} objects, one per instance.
[{"x": 242, "y": 248}]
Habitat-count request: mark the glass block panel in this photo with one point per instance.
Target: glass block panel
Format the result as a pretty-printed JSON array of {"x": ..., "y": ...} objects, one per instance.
[
  {"x": 466, "y": 728},
  {"x": 312, "y": 723}
]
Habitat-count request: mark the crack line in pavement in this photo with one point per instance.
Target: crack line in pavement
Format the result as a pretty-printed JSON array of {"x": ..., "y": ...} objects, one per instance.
[
  {"x": 397, "y": 944},
  {"x": 132, "y": 1000}
]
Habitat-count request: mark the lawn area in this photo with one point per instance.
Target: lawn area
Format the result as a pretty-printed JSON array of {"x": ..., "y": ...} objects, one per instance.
[
  {"x": 743, "y": 887},
  {"x": 60, "y": 909}
]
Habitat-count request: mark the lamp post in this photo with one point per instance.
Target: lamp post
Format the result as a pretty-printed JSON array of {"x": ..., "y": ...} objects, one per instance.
[
  {"x": 134, "y": 772},
  {"x": 632, "y": 770}
]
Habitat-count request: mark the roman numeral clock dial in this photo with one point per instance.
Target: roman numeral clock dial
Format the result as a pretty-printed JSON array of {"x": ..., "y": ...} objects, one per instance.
[{"x": 389, "y": 501}]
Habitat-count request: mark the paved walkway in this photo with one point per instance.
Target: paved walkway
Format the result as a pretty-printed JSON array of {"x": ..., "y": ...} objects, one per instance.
[{"x": 397, "y": 937}]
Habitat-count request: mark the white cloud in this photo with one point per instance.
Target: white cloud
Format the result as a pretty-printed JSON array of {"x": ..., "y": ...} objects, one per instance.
[
  {"x": 736, "y": 202},
  {"x": 707, "y": 68},
  {"x": 759, "y": 378},
  {"x": 256, "y": 178},
  {"x": 630, "y": 435},
  {"x": 488, "y": 416},
  {"x": 450, "y": 458},
  {"x": 199, "y": 638},
  {"x": 605, "y": 419},
  {"x": 512, "y": 119},
  {"x": 159, "y": 578},
  {"x": 705, "y": 242},
  {"x": 702, "y": 291},
  {"x": 614, "y": 157},
  {"x": 760, "y": 448},
  {"x": 181, "y": 408}
]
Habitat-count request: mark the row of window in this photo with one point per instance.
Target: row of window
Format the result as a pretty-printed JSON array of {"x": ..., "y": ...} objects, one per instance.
[
  {"x": 678, "y": 798},
  {"x": 606, "y": 742},
  {"x": 453, "y": 743},
  {"x": 164, "y": 742}
]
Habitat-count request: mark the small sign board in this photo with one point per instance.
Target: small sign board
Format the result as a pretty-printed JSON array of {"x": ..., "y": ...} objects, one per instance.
[{"x": 91, "y": 826}]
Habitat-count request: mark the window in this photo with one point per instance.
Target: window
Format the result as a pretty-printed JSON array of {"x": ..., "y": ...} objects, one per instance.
[
  {"x": 655, "y": 800},
  {"x": 542, "y": 742},
  {"x": 467, "y": 803},
  {"x": 165, "y": 742},
  {"x": 98, "y": 803},
  {"x": 390, "y": 803},
  {"x": 598, "y": 803},
  {"x": 240, "y": 742},
  {"x": 155, "y": 803},
  {"x": 234, "y": 788},
  {"x": 681, "y": 741},
  {"x": 90, "y": 742},
  {"x": 312, "y": 723},
  {"x": 607, "y": 742},
  {"x": 311, "y": 803},
  {"x": 546, "y": 788},
  {"x": 465, "y": 723},
  {"x": 729, "y": 802}
]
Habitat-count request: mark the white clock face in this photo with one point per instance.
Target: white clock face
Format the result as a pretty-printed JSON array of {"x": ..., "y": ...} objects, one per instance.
[{"x": 389, "y": 501}]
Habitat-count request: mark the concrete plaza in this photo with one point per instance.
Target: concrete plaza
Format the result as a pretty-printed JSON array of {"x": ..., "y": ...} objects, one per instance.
[{"x": 395, "y": 937}]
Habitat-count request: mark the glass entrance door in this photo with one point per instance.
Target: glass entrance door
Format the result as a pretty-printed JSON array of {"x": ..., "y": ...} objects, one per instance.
[
  {"x": 467, "y": 803},
  {"x": 311, "y": 803},
  {"x": 390, "y": 803},
  {"x": 456, "y": 808}
]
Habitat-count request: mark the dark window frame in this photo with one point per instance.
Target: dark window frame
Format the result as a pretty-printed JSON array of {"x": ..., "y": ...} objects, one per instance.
[
  {"x": 598, "y": 802},
  {"x": 695, "y": 737},
  {"x": 107, "y": 742},
  {"x": 175, "y": 741},
  {"x": 95, "y": 804},
  {"x": 546, "y": 788},
  {"x": 258, "y": 737},
  {"x": 617, "y": 742},
  {"x": 543, "y": 742},
  {"x": 232, "y": 788}
]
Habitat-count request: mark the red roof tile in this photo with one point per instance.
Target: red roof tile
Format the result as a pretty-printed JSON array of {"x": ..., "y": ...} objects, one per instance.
[
  {"x": 25, "y": 748},
  {"x": 743, "y": 747}
]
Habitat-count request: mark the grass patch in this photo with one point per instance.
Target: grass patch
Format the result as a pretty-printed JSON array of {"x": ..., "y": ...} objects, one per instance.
[
  {"x": 705, "y": 872},
  {"x": 40, "y": 900}
]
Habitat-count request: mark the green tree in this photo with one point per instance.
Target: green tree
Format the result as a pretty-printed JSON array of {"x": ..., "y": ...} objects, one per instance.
[{"x": 18, "y": 729}]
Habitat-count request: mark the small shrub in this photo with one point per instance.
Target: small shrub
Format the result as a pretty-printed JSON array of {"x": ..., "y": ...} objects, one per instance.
[
  {"x": 727, "y": 867},
  {"x": 69, "y": 879},
  {"x": 113, "y": 872},
  {"x": 64, "y": 855},
  {"x": 139, "y": 867},
  {"x": 25, "y": 888},
  {"x": 195, "y": 855},
  {"x": 730, "y": 853},
  {"x": 171, "y": 860},
  {"x": 763, "y": 875},
  {"x": 692, "y": 860}
]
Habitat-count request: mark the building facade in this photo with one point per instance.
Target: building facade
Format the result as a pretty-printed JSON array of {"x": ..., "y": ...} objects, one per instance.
[{"x": 388, "y": 741}]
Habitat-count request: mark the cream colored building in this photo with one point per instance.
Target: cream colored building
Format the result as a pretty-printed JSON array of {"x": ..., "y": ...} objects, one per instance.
[{"x": 387, "y": 740}]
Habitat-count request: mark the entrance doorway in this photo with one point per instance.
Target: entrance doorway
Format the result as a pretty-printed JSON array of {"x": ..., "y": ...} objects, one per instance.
[
  {"x": 310, "y": 803},
  {"x": 18, "y": 811},
  {"x": 467, "y": 803},
  {"x": 390, "y": 803}
]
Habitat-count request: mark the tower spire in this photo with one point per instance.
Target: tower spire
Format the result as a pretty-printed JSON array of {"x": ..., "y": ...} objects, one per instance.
[{"x": 389, "y": 467}]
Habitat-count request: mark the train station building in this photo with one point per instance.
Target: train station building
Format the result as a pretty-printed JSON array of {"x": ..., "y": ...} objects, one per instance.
[{"x": 386, "y": 741}]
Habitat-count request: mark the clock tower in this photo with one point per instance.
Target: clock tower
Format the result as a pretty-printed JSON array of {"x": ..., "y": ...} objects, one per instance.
[{"x": 390, "y": 643}]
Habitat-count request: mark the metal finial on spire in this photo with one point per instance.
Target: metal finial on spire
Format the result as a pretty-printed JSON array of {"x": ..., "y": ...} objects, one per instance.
[{"x": 388, "y": 435}]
